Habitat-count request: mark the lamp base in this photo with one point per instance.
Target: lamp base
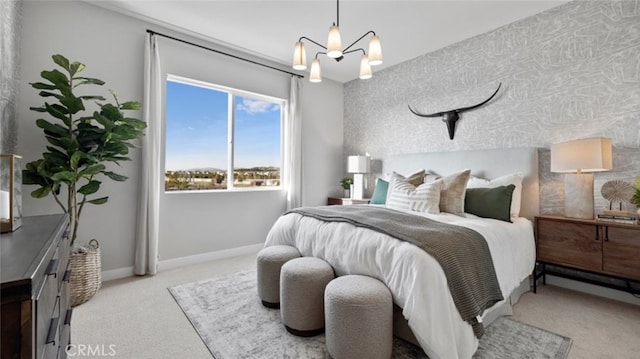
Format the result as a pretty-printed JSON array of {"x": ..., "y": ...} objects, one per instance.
[
  {"x": 578, "y": 195},
  {"x": 358, "y": 186}
]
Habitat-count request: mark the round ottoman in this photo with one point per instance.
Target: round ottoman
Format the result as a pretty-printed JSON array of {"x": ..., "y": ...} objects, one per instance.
[
  {"x": 302, "y": 283},
  {"x": 270, "y": 260},
  {"x": 359, "y": 318}
]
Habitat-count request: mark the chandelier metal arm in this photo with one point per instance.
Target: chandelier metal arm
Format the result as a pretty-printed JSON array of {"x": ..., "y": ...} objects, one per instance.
[
  {"x": 306, "y": 38},
  {"x": 354, "y": 50},
  {"x": 355, "y": 42}
]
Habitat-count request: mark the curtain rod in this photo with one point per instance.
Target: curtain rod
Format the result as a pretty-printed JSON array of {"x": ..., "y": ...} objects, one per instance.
[{"x": 223, "y": 53}]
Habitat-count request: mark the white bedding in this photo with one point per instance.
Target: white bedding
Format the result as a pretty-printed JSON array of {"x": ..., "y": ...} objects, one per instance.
[{"x": 414, "y": 277}]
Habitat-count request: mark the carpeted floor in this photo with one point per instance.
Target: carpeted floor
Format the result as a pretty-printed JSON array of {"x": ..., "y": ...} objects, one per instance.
[{"x": 227, "y": 314}]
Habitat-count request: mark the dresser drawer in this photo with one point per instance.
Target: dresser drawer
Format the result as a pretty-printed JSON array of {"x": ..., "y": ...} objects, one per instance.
[
  {"x": 51, "y": 337},
  {"x": 47, "y": 305}
]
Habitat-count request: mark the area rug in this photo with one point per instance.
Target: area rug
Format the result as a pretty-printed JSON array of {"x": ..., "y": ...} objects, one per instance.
[{"x": 227, "y": 314}]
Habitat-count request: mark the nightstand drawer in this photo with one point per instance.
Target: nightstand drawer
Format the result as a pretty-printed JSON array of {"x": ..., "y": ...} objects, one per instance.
[
  {"x": 571, "y": 244},
  {"x": 347, "y": 201},
  {"x": 621, "y": 252}
]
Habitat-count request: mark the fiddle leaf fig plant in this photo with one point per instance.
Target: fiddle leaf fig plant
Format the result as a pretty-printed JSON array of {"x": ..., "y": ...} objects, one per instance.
[{"x": 84, "y": 134}]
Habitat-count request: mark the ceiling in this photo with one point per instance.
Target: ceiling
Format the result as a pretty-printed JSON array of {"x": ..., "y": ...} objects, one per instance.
[{"x": 270, "y": 29}]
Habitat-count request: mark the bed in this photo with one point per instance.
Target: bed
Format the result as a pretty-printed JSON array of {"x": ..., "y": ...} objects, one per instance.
[{"x": 427, "y": 314}]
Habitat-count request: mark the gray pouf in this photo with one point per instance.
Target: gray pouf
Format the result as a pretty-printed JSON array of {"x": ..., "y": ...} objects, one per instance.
[
  {"x": 359, "y": 318},
  {"x": 302, "y": 283},
  {"x": 270, "y": 261}
]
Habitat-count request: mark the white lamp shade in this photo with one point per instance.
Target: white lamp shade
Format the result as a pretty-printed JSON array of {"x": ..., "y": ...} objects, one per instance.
[
  {"x": 334, "y": 43},
  {"x": 375, "y": 51},
  {"x": 299, "y": 57},
  {"x": 585, "y": 155},
  {"x": 365, "y": 68},
  {"x": 358, "y": 164},
  {"x": 316, "y": 74}
]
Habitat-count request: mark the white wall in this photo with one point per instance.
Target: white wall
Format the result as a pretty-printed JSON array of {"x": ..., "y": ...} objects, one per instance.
[{"x": 112, "y": 47}]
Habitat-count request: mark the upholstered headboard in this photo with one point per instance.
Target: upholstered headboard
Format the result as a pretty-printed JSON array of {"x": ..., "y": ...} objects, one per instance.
[{"x": 487, "y": 164}]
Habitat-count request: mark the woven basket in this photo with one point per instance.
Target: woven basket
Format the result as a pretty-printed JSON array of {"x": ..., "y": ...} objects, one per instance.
[{"x": 86, "y": 276}]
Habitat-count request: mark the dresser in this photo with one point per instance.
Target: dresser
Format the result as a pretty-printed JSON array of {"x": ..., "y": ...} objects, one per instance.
[
  {"x": 36, "y": 311},
  {"x": 608, "y": 248}
]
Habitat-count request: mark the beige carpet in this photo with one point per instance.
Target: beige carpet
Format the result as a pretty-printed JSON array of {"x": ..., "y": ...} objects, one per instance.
[{"x": 140, "y": 318}]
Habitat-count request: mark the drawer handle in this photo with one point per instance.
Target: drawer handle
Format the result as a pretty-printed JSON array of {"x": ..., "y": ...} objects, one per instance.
[
  {"x": 67, "y": 317},
  {"x": 67, "y": 276},
  {"x": 52, "y": 268},
  {"x": 53, "y": 329}
]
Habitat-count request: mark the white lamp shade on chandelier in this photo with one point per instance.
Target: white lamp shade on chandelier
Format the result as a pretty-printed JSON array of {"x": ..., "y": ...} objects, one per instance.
[
  {"x": 334, "y": 42},
  {"x": 335, "y": 51},
  {"x": 577, "y": 158},
  {"x": 299, "y": 57}
]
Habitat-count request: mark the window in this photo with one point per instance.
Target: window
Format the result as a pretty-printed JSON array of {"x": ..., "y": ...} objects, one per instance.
[{"x": 218, "y": 138}]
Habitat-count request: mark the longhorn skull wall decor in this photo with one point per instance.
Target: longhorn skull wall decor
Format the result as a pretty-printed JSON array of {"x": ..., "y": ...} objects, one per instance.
[{"x": 452, "y": 116}]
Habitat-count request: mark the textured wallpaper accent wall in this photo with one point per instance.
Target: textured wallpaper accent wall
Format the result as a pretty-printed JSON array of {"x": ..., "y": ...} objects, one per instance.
[
  {"x": 10, "y": 17},
  {"x": 567, "y": 73}
]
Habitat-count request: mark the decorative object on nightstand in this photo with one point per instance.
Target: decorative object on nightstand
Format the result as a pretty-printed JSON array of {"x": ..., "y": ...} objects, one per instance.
[
  {"x": 346, "y": 183},
  {"x": 10, "y": 193},
  {"x": 578, "y": 158},
  {"x": 358, "y": 165},
  {"x": 619, "y": 192}
]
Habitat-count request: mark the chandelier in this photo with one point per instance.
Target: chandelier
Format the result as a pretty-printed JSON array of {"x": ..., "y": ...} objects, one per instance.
[{"x": 335, "y": 51}]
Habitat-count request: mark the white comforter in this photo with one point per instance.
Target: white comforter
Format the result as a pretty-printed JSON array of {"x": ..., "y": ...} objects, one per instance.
[{"x": 414, "y": 277}]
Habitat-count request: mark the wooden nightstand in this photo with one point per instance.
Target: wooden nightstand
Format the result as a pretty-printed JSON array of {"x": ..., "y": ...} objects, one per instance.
[
  {"x": 347, "y": 201},
  {"x": 600, "y": 247}
]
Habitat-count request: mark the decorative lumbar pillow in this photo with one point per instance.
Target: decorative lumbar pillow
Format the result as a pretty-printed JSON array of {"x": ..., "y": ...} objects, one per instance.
[
  {"x": 453, "y": 192},
  {"x": 488, "y": 202},
  {"x": 380, "y": 192},
  {"x": 514, "y": 179},
  {"x": 424, "y": 198}
]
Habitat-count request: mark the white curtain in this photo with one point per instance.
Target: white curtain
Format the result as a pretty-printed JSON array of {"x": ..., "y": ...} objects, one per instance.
[
  {"x": 294, "y": 146},
  {"x": 146, "y": 253}
]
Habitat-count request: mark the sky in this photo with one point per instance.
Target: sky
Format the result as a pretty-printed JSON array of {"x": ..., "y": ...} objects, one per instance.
[{"x": 197, "y": 127}]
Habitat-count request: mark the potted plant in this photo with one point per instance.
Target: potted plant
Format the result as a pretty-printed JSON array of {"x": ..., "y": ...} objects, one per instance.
[
  {"x": 636, "y": 196},
  {"x": 81, "y": 143},
  {"x": 346, "y": 184}
]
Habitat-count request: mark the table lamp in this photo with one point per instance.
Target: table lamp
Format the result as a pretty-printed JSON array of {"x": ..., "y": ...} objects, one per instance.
[
  {"x": 358, "y": 165},
  {"x": 578, "y": 158}
]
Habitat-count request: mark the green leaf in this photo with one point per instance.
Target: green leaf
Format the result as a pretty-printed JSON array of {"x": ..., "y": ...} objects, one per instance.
[
  {"x": 50, "y": 94},
  {"x": 75, "y": 67},
  {"x": 114, "y": 176},
  {"x": 61, "y": 61},
  {"x": 138, "y": 124},
  {"x": 73, "y": 104},
  {"x": 66, "y": 177},
  {"x": 58, "y": 112},
  {"x": 130, "y": 105},
  {"x": 92, "y": 170},
  {"x": 86, "y": 98},
  {"x": 37, "y": 109},
  {"x": 42, "y": 86},
  {"x": 54, "y": 129},
  {"x": 41, "y": 192},
  {"x": 90, "y": 188},
  {"x": 57, "y": 78},
  {"x": 75, "y": 159},
  {"x": 87, "y": 80},
  {"x": 102, "y": 200}
]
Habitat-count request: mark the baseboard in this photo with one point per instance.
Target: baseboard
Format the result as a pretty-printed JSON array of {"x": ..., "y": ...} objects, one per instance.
[
  {"x": 184, "y": 261},
  {"x": 592, "y": 289},
  {"x": 210, "y": 256}
]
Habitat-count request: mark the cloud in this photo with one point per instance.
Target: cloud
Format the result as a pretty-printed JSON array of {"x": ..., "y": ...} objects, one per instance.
[{"x": 256, "y": 106}]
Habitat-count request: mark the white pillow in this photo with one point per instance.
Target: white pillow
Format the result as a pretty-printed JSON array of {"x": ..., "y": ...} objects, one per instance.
[
  {"x": 453, "y": 191},
  {"x": 514, "y": 179},
  {"x": 414, "y": 179},
  {"x": 405, "y": 196}
]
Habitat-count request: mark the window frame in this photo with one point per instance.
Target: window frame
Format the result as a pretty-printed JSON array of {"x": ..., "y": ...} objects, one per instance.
[{"x": 232, "y": 93}]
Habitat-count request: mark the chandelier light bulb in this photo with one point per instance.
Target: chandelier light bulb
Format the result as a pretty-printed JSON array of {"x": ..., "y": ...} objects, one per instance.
[
  {"x": 299, "y": 57},
  {"x": 334, "y": 42},
  {"x": 375, "y": 51},
  {"x": 316, "y": 74},
  {"x": 365, "y": 68}
]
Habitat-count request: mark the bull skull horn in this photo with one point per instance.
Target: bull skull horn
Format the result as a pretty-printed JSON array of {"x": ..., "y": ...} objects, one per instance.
[{"x": 452, "y": 116}]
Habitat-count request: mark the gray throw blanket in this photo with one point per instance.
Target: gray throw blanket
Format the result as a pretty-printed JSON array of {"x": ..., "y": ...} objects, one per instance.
[{"x": 462, "y": 253}]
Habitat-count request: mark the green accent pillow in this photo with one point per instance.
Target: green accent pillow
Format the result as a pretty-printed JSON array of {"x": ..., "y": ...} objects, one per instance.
[
  {"x": 490, "y": 202},
  {"x": 380, "y": 192}
]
